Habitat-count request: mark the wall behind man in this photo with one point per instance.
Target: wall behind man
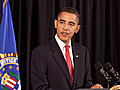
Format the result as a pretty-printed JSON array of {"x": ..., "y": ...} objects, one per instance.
[{"x": 100, "y": 30}]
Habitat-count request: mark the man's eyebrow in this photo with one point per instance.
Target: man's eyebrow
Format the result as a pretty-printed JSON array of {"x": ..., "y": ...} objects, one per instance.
[
  {"x": 72, "y": 22},
  {"x": 69, "y": 22},
  {"x": 61, "y": 20}
]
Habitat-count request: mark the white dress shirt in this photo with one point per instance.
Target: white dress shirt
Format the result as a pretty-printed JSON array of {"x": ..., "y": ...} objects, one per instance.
[{"x": 62, "y": 47}]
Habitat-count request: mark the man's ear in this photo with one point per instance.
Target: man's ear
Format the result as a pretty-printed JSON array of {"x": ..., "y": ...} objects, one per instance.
[
  {"x": 55, "y": 23},
  {"x": 78, "y": 28}
]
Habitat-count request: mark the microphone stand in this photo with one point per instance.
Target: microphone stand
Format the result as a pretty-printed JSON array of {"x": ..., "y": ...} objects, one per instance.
[
  {"x": 108, "y": 78},
  {"x": 116, "y": 75}
]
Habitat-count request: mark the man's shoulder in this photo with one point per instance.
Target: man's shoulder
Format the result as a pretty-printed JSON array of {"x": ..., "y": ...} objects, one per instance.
[
  {"x": 44, "y": 46},
  {"x": 79, "y": 46}
]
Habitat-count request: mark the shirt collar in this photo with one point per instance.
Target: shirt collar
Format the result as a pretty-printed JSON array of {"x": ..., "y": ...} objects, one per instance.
[{"x": 61, "y": 43}]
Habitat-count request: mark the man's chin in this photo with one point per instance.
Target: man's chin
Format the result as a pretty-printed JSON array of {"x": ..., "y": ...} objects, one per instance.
[{"x": 65, "y": 41}]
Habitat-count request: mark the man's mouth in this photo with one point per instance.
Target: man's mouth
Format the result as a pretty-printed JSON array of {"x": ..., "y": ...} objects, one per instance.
[{"x": 64, "y": 33}]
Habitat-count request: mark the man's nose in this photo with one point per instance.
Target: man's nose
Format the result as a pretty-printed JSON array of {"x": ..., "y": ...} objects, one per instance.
[{"x": 65, "y": 27}]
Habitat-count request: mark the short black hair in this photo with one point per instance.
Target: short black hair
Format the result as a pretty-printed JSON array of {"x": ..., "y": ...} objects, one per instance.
[{"x": 70, "y": 10}]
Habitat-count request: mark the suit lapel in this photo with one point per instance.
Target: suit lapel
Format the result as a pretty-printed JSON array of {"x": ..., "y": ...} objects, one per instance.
[
  {"x": 59, "y": 58},
  {"x": 76, "y": 57}
]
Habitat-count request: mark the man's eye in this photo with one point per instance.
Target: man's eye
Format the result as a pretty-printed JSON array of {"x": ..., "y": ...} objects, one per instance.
[
  {"x": 71, "y": 24},
  {"x": 61, "y": 22}
]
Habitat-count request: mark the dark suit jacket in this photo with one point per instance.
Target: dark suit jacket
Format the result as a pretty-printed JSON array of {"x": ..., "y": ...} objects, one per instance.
[{"x": 49, "y": 70}]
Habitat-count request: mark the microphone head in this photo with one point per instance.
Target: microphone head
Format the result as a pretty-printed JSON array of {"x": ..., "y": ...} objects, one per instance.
[
  {"x": 98, "y": 65},
  {"x": 108, "y": 66},
  {"x": 112, "y": 73}
]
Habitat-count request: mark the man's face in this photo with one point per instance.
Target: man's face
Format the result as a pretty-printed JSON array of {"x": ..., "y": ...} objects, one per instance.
[{"x": 66, "y": 25}]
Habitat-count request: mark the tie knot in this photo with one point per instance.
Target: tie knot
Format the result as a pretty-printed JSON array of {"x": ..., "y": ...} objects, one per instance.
[{"x": 67, "y": 47}]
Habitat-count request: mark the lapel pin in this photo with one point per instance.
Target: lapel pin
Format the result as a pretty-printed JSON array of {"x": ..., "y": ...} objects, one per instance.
[{"x": 76, "y": 56}]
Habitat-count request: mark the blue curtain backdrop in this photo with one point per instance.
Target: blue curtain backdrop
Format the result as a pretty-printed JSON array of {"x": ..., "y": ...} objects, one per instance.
[{"x": 100, "y": 30}]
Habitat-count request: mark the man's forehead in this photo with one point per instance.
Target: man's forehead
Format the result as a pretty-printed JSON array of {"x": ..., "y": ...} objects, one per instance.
[
  {"x": 70, "y": 21},
  {"x": 68, "y": 17},
  {"x": 68, "y": 14}
]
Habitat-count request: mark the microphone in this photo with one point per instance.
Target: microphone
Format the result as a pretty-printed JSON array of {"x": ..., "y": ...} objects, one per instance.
[
  {"x": 100, "y": 68},
  {"x": 112, "y": 72}
]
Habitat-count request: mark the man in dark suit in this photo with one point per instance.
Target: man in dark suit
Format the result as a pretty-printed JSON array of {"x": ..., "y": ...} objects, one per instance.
[{"x": 62, "y": 64}]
